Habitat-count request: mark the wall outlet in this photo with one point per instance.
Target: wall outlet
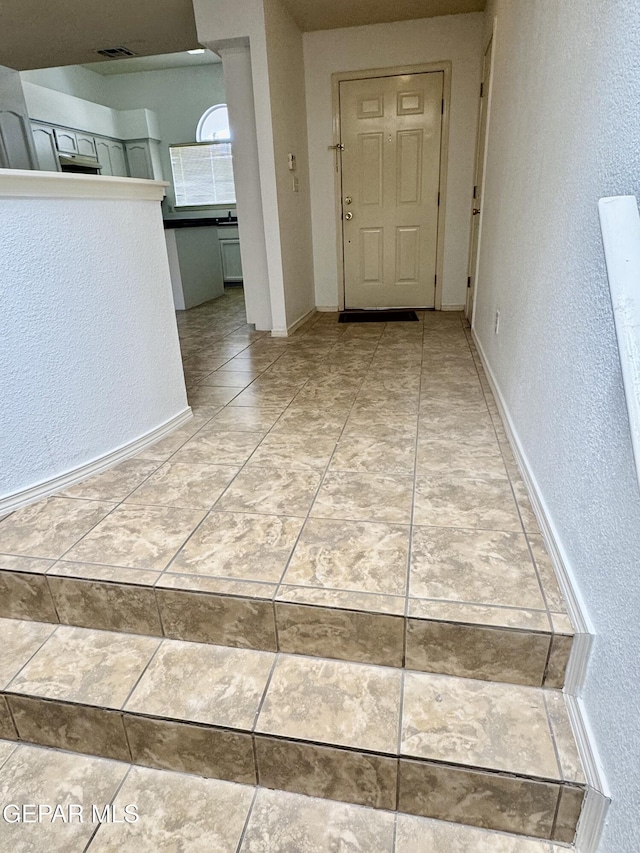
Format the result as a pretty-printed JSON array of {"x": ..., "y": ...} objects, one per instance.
[{"x": 497, "y": 326}]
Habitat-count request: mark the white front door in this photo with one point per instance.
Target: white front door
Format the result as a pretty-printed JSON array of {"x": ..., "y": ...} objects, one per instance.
[{"x": 391, "y": 129}]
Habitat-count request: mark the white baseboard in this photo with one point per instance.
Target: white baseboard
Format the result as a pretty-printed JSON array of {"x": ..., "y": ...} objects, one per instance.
[
  {"x": 596, "y": 801},
  {"x": 96, "y": 466},
  {"x": 452, "y": 307},
  {"x": 328, "y": 309},
  {"x": 284, "y": 333}
]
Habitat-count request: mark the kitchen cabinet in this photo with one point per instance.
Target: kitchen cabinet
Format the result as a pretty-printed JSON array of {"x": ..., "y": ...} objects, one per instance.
[
  {"x": 86, "y": 145},
  {"x": 144, "y": 159},
  {"x": 45, "y": 145},
  {"x": 111, "y": 157},
  {"x": 66, "y": 141},
  {"x": 230, "y": 255},
  {"x": 17, "y": 150}
]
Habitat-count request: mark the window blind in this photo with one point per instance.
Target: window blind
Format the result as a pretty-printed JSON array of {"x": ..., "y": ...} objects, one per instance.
[{"x": 202, "y": 174}]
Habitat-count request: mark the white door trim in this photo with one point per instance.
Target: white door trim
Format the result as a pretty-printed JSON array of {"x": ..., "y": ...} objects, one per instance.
[{"x": 339, "y": 77}]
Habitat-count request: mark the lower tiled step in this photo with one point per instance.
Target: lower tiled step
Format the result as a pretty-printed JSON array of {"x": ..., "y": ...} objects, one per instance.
[
  {"x": 179, "y": 811},
  {"x": 496, "y": 644},
  {"x": 492, "y": 755}
]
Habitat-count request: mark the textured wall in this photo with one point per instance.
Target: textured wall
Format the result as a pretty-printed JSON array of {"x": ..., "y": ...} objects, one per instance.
[
  {"x": 455, "y": 37},
  {"x": 89, "y": 355},
  {"x": 563, "y": 133}
]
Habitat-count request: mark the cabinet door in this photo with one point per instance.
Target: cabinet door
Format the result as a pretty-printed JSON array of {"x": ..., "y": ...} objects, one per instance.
[
  {"x": 45, "y": 144},
  {"x": 86, "y": 145},
  {"x": 118, "y": 159},
  {"x": 103, "y": 147},
  {"x": 231, "y": 263},
  {"x": 139, "y": 159},
  {"x": 66, "y": 141}
]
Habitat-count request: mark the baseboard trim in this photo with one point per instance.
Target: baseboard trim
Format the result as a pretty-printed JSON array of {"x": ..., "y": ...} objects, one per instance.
[
  {"x": 327, "y": 309},
  {"x": 284, "y": 333},
  {"x": 582, "y": 644},
  {"x": 452, "y": 307},
  {"x": 96, "y": 466},
  {"x": 597, "y": 800}
]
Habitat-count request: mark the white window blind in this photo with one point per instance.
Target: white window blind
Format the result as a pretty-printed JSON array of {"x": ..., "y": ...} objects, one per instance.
[{"x": 202, "y": 174}]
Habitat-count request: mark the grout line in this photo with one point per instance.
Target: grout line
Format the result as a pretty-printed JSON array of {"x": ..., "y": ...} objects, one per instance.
[
  {"x": 556, "y": 749},
  {"x": 248, "y": 818},
  {"x": 139, "y": 678},
  {"x": 31, "y": 657},
  {"x": 111, "y": 802},
  {"x": 267, "y": 684}
]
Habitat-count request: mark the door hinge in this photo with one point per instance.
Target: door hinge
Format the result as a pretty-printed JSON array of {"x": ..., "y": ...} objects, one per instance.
[
  {"x": 481, "y": 90},
  {"x": 469, "y": 281},
  {"x": 442, "y": 107},
  {"x": 438, "y": 198},
  {"x": 475, "y": 192},
  {"x": 435, "y": 280}
]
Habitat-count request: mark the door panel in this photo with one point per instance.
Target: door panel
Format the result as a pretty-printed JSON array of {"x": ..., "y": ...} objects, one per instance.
[{"x": 391, "y": 130}]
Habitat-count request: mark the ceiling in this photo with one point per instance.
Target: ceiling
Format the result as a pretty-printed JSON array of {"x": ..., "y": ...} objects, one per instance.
[
  {"x": 332, "y": 14},
  {"x": 153, "y": 63},
  {"x": 46, "y": 33}
]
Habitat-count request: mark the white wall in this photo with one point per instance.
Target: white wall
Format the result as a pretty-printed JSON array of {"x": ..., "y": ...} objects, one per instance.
[
  {"x": 89, "y": 349},
  {"x": 289, "y": 122},
  {"x": 563, "y": 133},
  {"x": 457, "y": 38}
]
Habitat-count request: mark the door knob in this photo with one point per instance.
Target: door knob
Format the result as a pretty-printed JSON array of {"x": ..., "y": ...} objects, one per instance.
[
  {"x": 348, "y": 215},
  {"x": 476, "y": 211},
  {"x": 348, "y": 199}
]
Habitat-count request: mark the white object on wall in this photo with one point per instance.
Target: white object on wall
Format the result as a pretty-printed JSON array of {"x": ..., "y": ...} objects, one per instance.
[
  {"x": 90, "y": 355},
  {"x": 620, "y": 224}
]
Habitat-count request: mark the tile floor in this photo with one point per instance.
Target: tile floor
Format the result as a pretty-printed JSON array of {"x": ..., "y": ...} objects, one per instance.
[
  {"x": 187, "y": 813},
  {"x": 358, "y": 467}
]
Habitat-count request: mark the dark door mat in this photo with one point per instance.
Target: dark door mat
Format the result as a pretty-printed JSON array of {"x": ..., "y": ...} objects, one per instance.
[{"x": 376, "y": 316}]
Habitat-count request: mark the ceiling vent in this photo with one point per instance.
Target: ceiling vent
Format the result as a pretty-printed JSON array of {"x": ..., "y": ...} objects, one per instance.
[{"x": 116, "y": 52}]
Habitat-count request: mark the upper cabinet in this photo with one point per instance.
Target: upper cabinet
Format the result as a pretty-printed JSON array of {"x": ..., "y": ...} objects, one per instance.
[
  {"x": 66, "y": 141},
  {"x": 144, "y": 159},
  {"x": 111, "y": 157},
  {"x": 45, "y": 145}
]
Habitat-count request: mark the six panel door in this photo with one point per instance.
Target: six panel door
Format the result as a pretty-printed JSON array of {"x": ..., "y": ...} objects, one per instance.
[{"x": 391, "y": 129}]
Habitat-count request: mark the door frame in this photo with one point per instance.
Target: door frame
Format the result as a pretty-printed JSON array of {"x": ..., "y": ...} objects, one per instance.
[
  {"x": 484, "y": 104},
  {"x": 393, "y": 71}
]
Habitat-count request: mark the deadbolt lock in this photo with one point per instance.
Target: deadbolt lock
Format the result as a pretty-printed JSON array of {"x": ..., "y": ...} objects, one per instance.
[
  {"x": 476, "y": 211},
  {"x": 348, "y": 215},
  {"x": 348, "y": 199}
]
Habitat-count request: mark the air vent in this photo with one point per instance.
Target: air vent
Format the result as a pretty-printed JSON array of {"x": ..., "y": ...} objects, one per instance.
[{"x": 116, "y": 52}]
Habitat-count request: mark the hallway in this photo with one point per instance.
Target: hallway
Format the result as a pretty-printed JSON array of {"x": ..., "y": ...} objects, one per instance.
[{"x": 345, "y": 496}]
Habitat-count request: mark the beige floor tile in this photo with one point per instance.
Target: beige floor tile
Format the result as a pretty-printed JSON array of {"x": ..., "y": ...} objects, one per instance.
[
  {"x": 293, "y": 452},
  {"x": 459, "y": 458},
  {"x": 477, "y": 724},
  {"x": 482, "y": 566},
  {"x": 50, "y": 527},
  {"x": 219, "y": 447},
  {"x": 342, "y": 599},
  {"x": 20, "y": 640},
  {"x": 93, "y": 571},
  {"x": 552, "y": 593},
  {"x": 239, "y": 545},
  {"x": 276, "y": 398},
  {"x": 206, "y": 815},
  {"x": 417, "y": 834},
  {"x": 333, "y": 702},
  {"x": 311, "y": 421},
  {"x": 25, "y": 596},
  {"x": 184, "y": 485},
  {"x": 478, "y": 502},
  {"x": 568, "y": 755},
  {"x": 82, "y": 665},
  {"x": 41, "y": 776},
  {"x": 356, "y": 556},
  {"x": 115, "y": 484},
  {"x": 365, "y": 497},
  {"x": 373, "y": 455},
  {"x": 394, "y": 426},
  {"x": 30, "y": 565},
  {"x": 272, "y": 491},
  {"x": 244, "y": 419},
  {"x": 203, "y": 684},
  {"x": 290, "y": 823},
  {"x": 478, "y": 614},
  {"x": 221, "y": 378},
  {"x": 139, "y": 537}
]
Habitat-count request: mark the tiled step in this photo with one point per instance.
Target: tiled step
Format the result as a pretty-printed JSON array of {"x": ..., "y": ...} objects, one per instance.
[
  {"x": 514, "y": 645},
  {"x": 180, "y": 811},
  {"x": 493, "y": 755}
]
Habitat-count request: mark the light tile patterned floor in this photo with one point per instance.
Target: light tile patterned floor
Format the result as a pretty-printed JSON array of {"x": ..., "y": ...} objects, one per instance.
[
  {"x": 195, "y": 815},
  {"x": 377, "y": 441}
]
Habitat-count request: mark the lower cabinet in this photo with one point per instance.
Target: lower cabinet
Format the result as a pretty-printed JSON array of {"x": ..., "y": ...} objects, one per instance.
[{"x": 231, "y": 262}]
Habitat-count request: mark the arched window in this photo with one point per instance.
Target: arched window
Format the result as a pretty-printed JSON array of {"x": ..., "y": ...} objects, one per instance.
[
  {"x": 203, "y": 171},
  {"x": 214, "y": 125}
]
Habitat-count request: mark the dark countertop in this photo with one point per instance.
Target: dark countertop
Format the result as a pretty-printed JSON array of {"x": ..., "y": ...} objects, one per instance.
[{"x": 203, "y": 222}]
